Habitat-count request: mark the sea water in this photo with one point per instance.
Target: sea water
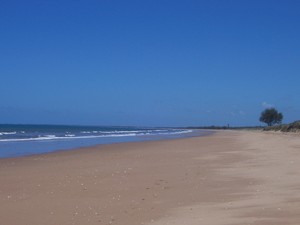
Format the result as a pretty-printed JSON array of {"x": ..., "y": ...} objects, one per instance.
[{"x": 22, "y": 140}]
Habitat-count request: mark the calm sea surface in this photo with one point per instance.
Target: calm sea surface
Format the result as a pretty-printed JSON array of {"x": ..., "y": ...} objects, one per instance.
[{"x": 21, "y": 140}]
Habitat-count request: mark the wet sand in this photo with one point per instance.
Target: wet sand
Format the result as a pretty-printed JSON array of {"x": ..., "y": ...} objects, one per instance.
[{"x": 230, "y": 177}]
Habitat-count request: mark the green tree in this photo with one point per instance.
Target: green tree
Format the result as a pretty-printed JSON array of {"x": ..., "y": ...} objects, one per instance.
[{"x": 271, "y": 116}]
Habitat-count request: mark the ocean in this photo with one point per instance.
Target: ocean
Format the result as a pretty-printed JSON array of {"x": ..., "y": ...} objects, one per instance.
[{"x": 23, "y": 140}]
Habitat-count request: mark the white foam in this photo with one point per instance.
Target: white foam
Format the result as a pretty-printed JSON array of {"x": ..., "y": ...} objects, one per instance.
[
  {"x": 53, "y": 137},
  {"x": 5, "y": 133},
  {"x": 103, "y": 135}
]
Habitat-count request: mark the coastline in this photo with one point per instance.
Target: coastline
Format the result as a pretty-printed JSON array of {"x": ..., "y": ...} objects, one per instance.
[
  {"x": 229, "y": 177},
  {"x": 116, "y": 144},
  {"x": 28, "y": 141}
]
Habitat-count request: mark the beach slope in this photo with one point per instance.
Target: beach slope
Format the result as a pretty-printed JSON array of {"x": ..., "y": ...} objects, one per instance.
[{"x": 230, "y": 177}]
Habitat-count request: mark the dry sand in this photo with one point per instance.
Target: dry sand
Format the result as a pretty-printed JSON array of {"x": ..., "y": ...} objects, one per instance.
[{"x": 229, "y": 178}]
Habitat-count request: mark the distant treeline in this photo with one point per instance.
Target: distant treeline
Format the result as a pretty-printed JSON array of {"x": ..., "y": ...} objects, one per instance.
[
  {"x": 209, "y": 127},
  {"x": 226, "y": 128},
  {"x": 291, "y": 127}
]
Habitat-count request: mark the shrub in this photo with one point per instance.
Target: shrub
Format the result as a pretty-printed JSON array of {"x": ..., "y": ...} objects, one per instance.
[{"x": 271, "y": 116}]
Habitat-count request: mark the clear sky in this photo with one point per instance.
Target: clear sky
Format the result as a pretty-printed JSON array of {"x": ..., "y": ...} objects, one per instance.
[{"x": 149, "y": 62}]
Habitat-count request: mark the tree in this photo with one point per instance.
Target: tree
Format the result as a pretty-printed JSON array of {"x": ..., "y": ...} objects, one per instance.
[{"x": 271, "y": 116}]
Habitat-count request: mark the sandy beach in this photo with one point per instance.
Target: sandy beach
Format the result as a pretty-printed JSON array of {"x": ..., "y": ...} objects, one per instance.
[{"x": 228, "y": 178}]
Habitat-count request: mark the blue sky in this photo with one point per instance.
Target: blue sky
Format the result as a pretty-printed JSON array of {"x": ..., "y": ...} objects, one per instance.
[{"x": 148, "y": 63}]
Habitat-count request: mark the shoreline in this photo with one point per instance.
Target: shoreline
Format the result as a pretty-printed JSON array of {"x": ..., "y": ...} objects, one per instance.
[
  {"x": 195, "y": 133},
  {"x": 229, "y": 177},
  {"x": 58, "y": 152}
]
